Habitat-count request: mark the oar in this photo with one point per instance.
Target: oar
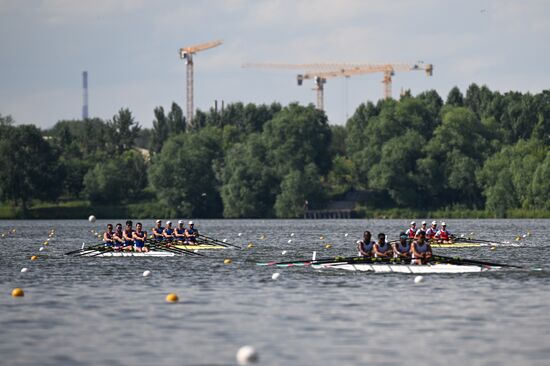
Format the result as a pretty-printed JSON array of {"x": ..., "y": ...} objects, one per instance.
[
  {"x": 458, "y": 260},
  {"x": 220, "y": 242},
  {"x": 93, "y": 247},
  {"x": 159, "y": 245}
]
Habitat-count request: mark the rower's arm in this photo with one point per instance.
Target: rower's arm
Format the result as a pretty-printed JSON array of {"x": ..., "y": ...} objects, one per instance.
[{"x": 106, "y": 238}]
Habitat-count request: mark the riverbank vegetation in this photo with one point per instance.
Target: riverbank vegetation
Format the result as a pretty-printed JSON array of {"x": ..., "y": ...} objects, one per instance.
[{"x": 481, "y": 154}]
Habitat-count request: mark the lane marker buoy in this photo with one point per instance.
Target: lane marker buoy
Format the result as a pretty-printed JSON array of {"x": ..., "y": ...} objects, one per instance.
[
  {"x": 172, "y": 297},
  {"x": 283, "y": 252},
  {"x": 34, "y": 257},
  {"x": 146, "y": 273},
  {"x": 275, "y": 275},
  {"x": 247, "y": 355},
  {"x": 227, "y": 261},
  {"x": 91, "y": 219},
  {"x": 418, "y": 279},
  {"x": 17, "y": 292},
  {"x": 24, "y": 269}
]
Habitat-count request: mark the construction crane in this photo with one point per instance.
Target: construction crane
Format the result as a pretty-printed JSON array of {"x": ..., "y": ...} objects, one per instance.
[
  {"x": 320, "y": 72},
  {"x": 187, "y": 53},
  {"x": 388, "y": 69}
]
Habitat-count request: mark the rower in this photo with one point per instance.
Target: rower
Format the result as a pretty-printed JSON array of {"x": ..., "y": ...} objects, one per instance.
[
  {"x": 382, "y": 249},
  {"x": 168, "y": 232},
  {"x": 158, "y": 230},
  {"x": 411, "y": 232},
  {"x": 443, "y": 235},
  {"x": 421, "y": 250},
  {"x": 139, "y": 237},
  {"x": 127, "y": 235},
  {"x": 366, "y": 245},
  {"x": 108, "y": 236},
  {"x": 179, "y": 232},
  {"x": 432, "y": 230},
  {"x": 402, "y": 249},
  {"x": 191, "y": 233},
  {"x": 118, "y": 237},
  {"x": 422, "y": 228}
]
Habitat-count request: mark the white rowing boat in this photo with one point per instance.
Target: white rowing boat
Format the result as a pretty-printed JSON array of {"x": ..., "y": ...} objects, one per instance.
[
  {"x": 405, "y": 268},
  {"x": 129, "y": 254}
]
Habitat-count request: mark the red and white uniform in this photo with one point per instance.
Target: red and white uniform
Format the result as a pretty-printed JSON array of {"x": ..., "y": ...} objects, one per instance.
[
  {"x": 442, "y": 234},
  {"x": 431, "y": 233},
  {"x": 411, "y": 232}
]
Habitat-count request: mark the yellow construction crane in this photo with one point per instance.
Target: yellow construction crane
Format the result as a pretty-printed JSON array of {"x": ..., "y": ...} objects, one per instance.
[
  {"x": 320, "y": 78},
  {"x": 320, "y": 72},
  {"x": 187, "y": 53}
]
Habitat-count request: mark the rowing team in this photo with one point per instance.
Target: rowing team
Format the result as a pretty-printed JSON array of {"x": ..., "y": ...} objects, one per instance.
[
  {"x": 417, "y": 249},
  {"x": 134, "y": 239},
  {"x": 433, "y": 234}
]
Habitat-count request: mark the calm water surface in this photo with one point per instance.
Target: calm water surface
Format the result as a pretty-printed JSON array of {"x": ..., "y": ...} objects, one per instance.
[{"x": 92, "y": 311}]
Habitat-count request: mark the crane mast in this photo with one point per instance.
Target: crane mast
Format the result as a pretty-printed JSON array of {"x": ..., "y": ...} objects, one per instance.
[{"x": 186, "y": 53}]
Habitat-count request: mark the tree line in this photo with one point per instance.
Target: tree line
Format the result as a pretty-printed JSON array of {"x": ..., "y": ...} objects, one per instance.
[{"x": 479, "y": 150}]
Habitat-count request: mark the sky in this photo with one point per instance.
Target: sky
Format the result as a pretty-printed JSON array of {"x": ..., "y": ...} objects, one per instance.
[{"x": 130, "y": 50}]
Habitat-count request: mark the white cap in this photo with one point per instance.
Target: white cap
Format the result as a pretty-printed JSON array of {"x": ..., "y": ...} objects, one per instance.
[
  {"x": 443, "y": 223},
  {"x": 168, "y": 222},
  {"x": 434, "y": 222},
  {"x": 423, "y": 222},
  {"x": 190, "y": 222},
  {"x": 158, "y": 221},
  {"x": 180, "y": 222},
  {"x": 413, "y": 223}
]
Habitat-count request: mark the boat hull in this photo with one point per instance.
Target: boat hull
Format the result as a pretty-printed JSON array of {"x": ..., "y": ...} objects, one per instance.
[
  {"x": 404, "y": 268},
  {"x": 200, "y": 247},
  {"x": 130, "y": 254}
]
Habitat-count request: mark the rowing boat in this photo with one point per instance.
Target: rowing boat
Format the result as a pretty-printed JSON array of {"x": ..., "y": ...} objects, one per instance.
[
  {"x": 129, "y": 254},
  {"x": 405, "y": 268},
  {"x": 199, "y": 246},
  {"x": 472, "y": 245}
]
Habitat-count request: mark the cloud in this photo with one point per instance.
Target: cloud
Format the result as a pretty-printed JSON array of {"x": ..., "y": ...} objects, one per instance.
[{"x": 70, "y": 11}]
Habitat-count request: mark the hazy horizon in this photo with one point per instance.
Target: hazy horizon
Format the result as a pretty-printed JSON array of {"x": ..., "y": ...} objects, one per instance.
[{"x": 130, "y": 51}]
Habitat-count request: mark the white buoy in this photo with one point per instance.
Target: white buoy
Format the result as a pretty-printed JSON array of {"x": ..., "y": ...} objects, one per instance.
[
  {"x": 41, "y": 249},
  {"x": 240, "y": 234},
  {"x": 418, "y": 279},
  {"x": 91, "y": 219},
  {"x": 275, "y": 275},
  {"x": 146, "y": 273},
  {"x": 283, "y": 252},
  {"x": 247, "y": 355},
  {"x": 346, "y": 235},
  {"x": 24, "y": 269},
  {"x": 291, "y": 234},
  {"x": 289, "y": 241},
  {"x": 83, "y": 245},
  {"x": 224, "y": 240},
  {"x": 524, "y": 235}
]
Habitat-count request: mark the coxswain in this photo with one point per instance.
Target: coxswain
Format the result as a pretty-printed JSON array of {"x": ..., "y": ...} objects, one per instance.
[
  {"x": 411, "y": 232},
  {"x": 179, "y": 232},
  {"x": 191, "y": 234},
  {"x": 118, "y": 237},
  {"x": 168, "y": 232},
  {"x": 443, "y": 235},
  {"x": 422, "y": 228},
  {"x": 382, "y": 249},
  {"x": 402, "y": 249},
  {"x": 158, "y": 231},
  {"x": 366, "y": 245},
  {"x": 432, "y": 230},
  {"x": 128, "y": 236},
  {"x": 139, "y": 237},
  {"x": 421, "y": 250},
  {"x": 108, "y": 236}
]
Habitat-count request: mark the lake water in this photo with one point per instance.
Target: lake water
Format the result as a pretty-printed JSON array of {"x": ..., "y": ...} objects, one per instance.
[{"x": 102, "y": 311}]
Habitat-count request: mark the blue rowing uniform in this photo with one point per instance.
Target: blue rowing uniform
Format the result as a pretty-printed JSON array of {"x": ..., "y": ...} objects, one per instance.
[
  {"x": 139, "y": 243},
  {"x": 192, "y": 232},
  {"x": 110, "y": 237},
  {"x": 118, "y": 234},
  {"x": 157, "y": 232},
  {"x": 180, "y": 231},
  {"x": 169, "y": 231},
  {"x": 128, "y": 243}
]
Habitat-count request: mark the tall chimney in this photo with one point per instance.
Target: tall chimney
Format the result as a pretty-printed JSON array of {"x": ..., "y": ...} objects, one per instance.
[{"x": 85, "y": 95}]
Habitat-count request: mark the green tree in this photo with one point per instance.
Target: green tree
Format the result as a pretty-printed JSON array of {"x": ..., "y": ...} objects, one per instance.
[
  {"x": 249, "y": 184},
  {"x": 297, "y": 187},
  {"x": 30, "y": 167},
  {"x": 119, "y": 179},
  {"x": 455, "y": 98},
  {"x": 183, "y": 174},
  {"x": 123, "y": 131}
]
